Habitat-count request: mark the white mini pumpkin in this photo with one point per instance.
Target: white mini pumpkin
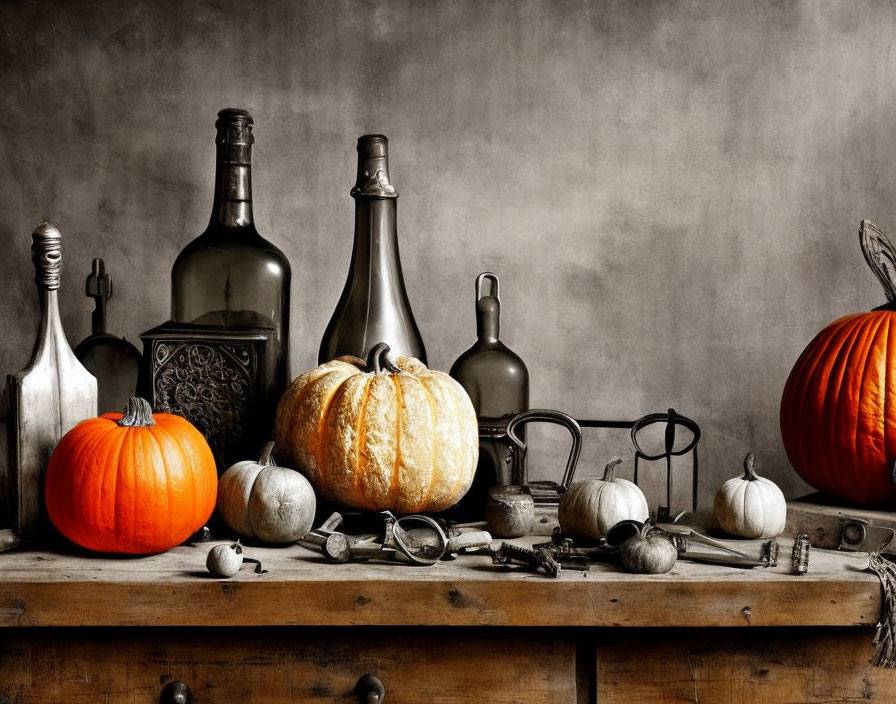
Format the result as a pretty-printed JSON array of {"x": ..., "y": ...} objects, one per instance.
[
  {"x": 592, "y": 506},
  {"x": 264, "y": 501},
  {"x": 751, "y": 506}
]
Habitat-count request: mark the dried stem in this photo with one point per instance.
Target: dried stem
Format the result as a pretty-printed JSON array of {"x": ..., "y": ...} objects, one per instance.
[{"x": 885, "y": 638}]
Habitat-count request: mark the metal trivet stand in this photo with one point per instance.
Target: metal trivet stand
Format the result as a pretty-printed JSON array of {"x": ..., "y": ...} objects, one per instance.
[
  {"x": 507, "y": 431},
  {"x": 672, "y": 421},
  {"x": 221, "y": 380}
]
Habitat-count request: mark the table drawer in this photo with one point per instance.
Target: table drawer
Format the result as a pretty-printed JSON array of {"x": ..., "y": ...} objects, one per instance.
[{"x": 222, "y": 666}]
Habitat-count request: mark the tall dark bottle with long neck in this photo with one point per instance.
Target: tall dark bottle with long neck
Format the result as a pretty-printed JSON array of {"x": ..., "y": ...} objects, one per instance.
[
  {"x": 230, "y": 276},
  {"x": 374, "y": 305}
]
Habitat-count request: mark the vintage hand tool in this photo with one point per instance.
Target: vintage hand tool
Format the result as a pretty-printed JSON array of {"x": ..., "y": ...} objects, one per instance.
[
  {"x": 734, "y": 553},
  {"x": 401, "y": 542},
  {"x": 564, "y": 550},
  {"x": 114, "y": 361},
  {"x": 536, "y": 559}
]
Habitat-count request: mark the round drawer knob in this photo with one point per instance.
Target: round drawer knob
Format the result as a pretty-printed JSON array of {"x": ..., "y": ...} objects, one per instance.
[
  {"x": 176, "y": 693},
  {"x": 370, "y": 690}
]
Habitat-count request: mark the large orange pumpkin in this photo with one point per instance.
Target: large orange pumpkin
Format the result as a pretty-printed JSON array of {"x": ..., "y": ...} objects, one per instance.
[
  {"x": 838, "y": 410},
  {"x": 131, "y": 483},
  {"x": 379, "y": 436}
]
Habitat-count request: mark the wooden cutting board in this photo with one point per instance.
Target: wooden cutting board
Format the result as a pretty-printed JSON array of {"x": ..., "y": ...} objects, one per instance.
[{"x": 47, "y": 398}]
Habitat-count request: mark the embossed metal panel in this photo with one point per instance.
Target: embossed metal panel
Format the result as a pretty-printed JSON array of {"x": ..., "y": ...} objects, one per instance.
[{"x": 216, "y": 379}]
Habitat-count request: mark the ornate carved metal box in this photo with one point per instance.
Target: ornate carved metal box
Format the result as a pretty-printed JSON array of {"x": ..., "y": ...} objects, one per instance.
[{"x": 221, "y": 380}]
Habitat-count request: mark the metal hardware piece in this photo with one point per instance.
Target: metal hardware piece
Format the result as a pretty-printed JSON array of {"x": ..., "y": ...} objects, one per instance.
[
  {"x": 800, "y": 554},
  {"x": 401, "y": 541},
  {"x": 416, "y": 550},
  {"x": 468, "y": 542},
  {"x": 543, "y": 492},
  {"x": 860, "y": 535},
  {"x": 536, "y": 559},
  {"x": 370, "y": 690},
  {"x": 564, "y": 550},
  {"x": 734, "y": 553},
  {"x": 330, "y": 525},
  {"x": 176, "y": 692},
  {"x": 671, "y": 419}
]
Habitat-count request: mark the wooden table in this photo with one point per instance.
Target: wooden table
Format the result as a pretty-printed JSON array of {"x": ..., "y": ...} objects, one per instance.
[{"x": 460, "y": 631}]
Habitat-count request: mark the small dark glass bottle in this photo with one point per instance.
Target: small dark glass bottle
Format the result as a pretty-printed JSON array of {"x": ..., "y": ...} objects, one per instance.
[
  {"x": 497, "y": 381},
  {"x": 230, "y": 276},
  {"x": 374, "y": 304}
]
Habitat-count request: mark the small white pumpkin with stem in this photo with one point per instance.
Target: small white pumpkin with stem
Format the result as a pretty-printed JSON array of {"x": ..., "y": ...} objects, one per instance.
[
  {"x": 751, "y": 506},
  {"x": 261, "y": 500},
  {"x": 592, "y": 506}
]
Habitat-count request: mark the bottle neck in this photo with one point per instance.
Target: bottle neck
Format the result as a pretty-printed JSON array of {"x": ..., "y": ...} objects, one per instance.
[
  {"x": 375, "y": 252},
  {"x": 488, "y": 319},
  {"x": 375, "y": 256},
  {"x": 233, "y": 196},
  {"x": 233, "y": 173}
]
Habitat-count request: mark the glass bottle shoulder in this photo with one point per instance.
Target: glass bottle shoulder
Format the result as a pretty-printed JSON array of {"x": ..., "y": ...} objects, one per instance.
[
  {"x": 233, "y": 247},
  {"x": 485, "y": 356}
]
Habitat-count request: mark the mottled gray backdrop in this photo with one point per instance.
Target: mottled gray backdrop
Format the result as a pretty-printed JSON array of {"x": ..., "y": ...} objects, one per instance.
[{"x": 670, "y": 191}]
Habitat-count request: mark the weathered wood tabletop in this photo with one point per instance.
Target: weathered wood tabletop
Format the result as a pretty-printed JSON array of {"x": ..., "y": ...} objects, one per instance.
[{"x": 41, "y": 588}]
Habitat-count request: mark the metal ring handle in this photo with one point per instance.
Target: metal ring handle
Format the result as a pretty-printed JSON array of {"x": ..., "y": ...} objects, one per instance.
[
  {"x": 546, "y": 415},
  {"x": 408, "y": 552},
  {"x": 672, "y": 419},
  {"x": 489, "y": 276}
]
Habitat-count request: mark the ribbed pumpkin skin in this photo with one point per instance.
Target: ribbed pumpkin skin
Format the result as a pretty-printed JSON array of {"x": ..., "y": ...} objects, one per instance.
[
  {"x": 592, "y": 506},
  {"x": 406, "y": 442},
  {"x": 751, "y": 509},
  {"x": 264, "y": 501},
  {"x": 137, "y": 490},
  {"x": 838, "y": 410}
]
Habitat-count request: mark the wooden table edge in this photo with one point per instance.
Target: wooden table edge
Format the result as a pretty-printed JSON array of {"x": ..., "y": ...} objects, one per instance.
[{"x": 466, "y": 602}]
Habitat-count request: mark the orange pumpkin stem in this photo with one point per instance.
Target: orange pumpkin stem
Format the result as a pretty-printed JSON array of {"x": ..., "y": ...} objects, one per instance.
[
  {"x": 266, "y": 460},
  {"x": 749, "y": 472},
  {"x": 137, "y": 414},
  {"x": 610, "y": 469}
]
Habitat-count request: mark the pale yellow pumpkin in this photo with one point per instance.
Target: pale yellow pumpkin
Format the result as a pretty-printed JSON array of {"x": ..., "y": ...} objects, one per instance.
[
  {"x": 376, "y": 436},
  {"x": 751, "y": 506},
  {"x": 592, "y": 506}
]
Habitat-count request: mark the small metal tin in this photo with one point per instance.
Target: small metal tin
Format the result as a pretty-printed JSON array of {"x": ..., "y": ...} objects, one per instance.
[{"x": 510, "y": 511}]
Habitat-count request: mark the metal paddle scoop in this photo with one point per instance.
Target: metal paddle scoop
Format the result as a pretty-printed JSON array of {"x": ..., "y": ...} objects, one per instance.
[{"x": 114, "y": 361}]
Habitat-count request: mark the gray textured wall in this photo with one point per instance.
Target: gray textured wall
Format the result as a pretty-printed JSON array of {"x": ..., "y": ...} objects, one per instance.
[{"x": 670, "y": 191}]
